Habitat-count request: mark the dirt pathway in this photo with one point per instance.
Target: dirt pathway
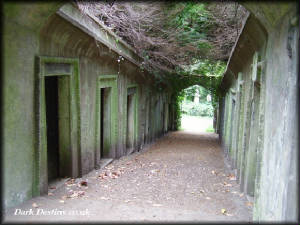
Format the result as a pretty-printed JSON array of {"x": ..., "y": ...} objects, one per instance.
[{"x": 182, "y": 177}]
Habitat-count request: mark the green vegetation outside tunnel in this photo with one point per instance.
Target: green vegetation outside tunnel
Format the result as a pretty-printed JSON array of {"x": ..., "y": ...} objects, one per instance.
[{"x": 210, "y": 78}]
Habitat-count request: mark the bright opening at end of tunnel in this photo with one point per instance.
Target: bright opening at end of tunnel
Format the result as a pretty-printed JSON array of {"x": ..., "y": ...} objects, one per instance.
[{"x": 197, "y": 110}]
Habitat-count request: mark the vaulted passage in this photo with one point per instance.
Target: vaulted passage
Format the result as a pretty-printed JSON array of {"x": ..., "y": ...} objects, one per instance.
[{"x": 94, "y": 93}]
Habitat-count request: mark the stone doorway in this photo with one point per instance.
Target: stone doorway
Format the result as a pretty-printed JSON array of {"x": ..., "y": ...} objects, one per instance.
[
  {"x": 106, "y": 130},
  {"x": 105, "y": 123},
  {"x": 57, "y": 100},
  {"x": 131, "y": 120},
  {"x": 58, "y": 154}
]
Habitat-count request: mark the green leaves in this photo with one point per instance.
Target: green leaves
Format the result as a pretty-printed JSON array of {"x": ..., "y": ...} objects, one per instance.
[
  {"x": 195, "y": 21},
  {"x": 205, "y": 67},
  {"x": 205, "y": 73}
]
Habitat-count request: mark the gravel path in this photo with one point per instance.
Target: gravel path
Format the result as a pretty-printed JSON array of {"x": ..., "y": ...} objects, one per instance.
[{"x": 182, "y": 177}]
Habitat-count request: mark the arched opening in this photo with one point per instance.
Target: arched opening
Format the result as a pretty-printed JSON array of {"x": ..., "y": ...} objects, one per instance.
[{"x": 197, "y": 110}]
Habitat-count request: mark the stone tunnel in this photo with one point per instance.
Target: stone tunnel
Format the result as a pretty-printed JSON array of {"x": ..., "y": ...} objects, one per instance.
[{"x": 73, "y": 98}]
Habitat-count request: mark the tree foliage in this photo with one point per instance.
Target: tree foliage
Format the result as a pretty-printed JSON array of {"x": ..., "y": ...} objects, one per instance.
[
  {"x": 169, "y": 36},
  {"x": 203, "y": 107}
]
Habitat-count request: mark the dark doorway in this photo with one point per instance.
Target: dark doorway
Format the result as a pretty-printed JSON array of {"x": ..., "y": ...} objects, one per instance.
[
  {"x": 105, "y": 122},
  {"x": 51, "y": 94},
  {"x": 58, "y": 126},
  {"x": 130, "y": 131}
]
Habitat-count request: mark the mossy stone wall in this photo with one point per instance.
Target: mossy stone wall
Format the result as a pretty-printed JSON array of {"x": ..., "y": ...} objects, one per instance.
[{"x": 264, "y": 147}]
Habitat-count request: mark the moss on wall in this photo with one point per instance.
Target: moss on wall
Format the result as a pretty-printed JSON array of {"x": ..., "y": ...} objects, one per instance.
[
  {"x": 19, "y": 125},
  {"x": 267, "y": 145},
  {"x": 24, "y": 38}
]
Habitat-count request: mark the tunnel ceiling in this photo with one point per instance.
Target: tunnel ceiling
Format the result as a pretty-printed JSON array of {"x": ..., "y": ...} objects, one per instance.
[{"x": 182, "y": 43}]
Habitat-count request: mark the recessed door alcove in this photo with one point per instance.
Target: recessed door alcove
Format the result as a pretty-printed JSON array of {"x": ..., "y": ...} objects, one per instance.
[
  {"x": 58, "y": 128},
  {"x": 106, "y": 119}
]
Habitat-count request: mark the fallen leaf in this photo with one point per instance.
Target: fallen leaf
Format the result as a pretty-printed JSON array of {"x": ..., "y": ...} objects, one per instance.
[
  {"x": 214, "y": 172},
  {"x": 74, "y": 195},
  {"x": 227, "y": 185},
  {"x": 102, "y": 176},
  {"x": 52, "y": 187},
  {"x": 70, "y": 182},
  {"x": 116, "y": 173},
  {"x": 109, "y": 167},
  {"x": 155, "y": 171},
  {"x": 83, "y": 183},
  {"x": 223, "y": 211},
  {"x": 249, "y": 203},
  {"x": 231, "y": 177},
  {"x": 35, "y": 205},
  {"x": 77, "y": 194}
]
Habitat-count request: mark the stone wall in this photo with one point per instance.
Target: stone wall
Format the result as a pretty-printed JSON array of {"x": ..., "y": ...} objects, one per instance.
[
  {"x": 20, "y": 44},
  {"x": 62, "y": 37},
  {"x": 259, "y": 112}
]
